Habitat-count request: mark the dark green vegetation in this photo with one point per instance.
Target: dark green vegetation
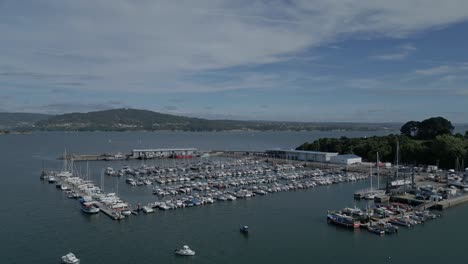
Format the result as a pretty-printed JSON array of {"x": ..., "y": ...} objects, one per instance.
[
  {"x": 443, "y": 148},
  {"x": 427, "y": 129},
  {"x": 132, "y": 119},
  {"x": 18, "y": 120}
]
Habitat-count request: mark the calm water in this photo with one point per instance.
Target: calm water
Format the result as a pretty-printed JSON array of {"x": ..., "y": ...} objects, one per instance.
[{"x": 39, "y": 224}]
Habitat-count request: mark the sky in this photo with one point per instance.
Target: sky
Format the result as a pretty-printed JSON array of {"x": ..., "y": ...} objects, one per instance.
[{"x": 291, "y": 60}]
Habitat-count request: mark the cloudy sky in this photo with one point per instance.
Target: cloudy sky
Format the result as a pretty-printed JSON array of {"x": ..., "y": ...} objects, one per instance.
[{"x": 299, "y": 60}]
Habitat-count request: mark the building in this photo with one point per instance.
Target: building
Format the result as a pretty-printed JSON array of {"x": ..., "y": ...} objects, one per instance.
[
  {"x": 346, "y": 159},
  {"x": 302, "y": 155},
  {"x": 163, "y": 153}
]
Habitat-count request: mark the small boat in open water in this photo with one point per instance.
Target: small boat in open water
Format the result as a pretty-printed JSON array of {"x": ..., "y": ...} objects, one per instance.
[
  {"x": 185, "y": 251},
  {"x": 244, "y": 230},
  {"x": 70, "y": 258}
]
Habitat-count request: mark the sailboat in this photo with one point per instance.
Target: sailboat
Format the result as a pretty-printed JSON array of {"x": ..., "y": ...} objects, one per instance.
[
  {"x": 371, "y": 194},
  {"x": 374, "y": 192},
  {"x": 397, "y": 182},
  {"x": 66, "y": 171}
]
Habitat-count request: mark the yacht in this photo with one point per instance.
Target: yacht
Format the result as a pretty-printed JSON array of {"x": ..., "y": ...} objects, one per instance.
[
  {"x": 148, "y": 209},
  {"x": 52, "y": 179},
  {"x": 185, "y": 251},
  {"x": 89, "y": 208},
  {"x": 126, "y": 212},
  {"x": 70, "y": 258}
]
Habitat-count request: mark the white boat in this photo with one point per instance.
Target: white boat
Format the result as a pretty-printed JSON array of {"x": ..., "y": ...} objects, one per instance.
[
  {"x": 89, "y": 208},
  {"x": 127, "y": 212},
  {"x": 185, "y": 251},
  {"x": 148, "y": 209},
  {"x": 70, "y": 258}
]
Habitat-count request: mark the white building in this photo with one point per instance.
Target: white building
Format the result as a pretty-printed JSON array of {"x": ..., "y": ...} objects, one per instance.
[
  {"x": 346, "y": 159},
  {"x": 303, "y": 155}
]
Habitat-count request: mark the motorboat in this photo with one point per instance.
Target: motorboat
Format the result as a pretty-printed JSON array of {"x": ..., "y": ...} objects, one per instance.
[
  {"x": 244, "y": 229},
  {"x": 148, "y": 209},
  {"x": 388, "y": 227},
  {"x": 376, "y": 230},
  {"x": 70, "y": 258},
  {"x": 184, "y": 251},
  {"x": 89, "y": 208},
  {"x": 126, "y": 212},
  {"x": 342, "y": 220}
]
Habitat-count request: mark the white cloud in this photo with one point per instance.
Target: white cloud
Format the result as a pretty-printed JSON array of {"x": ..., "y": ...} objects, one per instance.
[
  {"x": 401, "y": 54},
  {"x": 451, "y": 71},
  {"x": 158, "y": 43},
  {"x": 435, "y": 70}
]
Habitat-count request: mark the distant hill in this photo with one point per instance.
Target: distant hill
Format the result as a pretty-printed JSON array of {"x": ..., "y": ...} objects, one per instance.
[
  {"x": 16, "y": 120},
  {"x": 133, "y": 119}
]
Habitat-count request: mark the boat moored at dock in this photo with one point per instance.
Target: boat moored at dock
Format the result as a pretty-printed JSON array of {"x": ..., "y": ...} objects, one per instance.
[
  {"x": 342, "y": 220},
  {"x": 89, "y": 208}
]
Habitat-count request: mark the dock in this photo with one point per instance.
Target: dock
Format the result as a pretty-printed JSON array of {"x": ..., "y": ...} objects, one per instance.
[
  {"x": 114, "y": 214},
  {"x": 451, "y": 202}
]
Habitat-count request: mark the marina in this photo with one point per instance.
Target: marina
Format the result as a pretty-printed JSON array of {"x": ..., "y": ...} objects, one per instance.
[
  {"x": 94, "y": 238},
  {"x": 204, "y": 181},
  {"x": 194, "y": 184}
]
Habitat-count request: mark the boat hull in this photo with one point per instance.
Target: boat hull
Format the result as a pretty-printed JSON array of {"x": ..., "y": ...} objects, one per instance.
[{"x": 337, "y": 221}]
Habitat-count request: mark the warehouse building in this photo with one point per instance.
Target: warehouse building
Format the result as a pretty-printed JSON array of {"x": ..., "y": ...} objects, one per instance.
[
  {"x": 303, "y": 155},
  {"x": 346, "y": 159}
]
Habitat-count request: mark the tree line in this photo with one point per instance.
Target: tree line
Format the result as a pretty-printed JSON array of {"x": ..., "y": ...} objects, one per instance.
[{"x": 422, "y": 143}]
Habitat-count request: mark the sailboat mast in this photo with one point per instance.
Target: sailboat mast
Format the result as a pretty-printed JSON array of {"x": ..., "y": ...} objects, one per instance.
[
  {"x": 371, "y": 177},
  {"x": 102, "y": 180},
  {"x": 397, "y": 158},
  {"x": 378, "y": 171},
  {"x": 87, "y": 170},
  {"x": 65, "y": 160}
]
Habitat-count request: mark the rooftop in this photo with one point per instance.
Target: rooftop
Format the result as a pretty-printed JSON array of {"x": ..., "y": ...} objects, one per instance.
[
  {"x": 304, "y": 151},
  {"x": 349, "y": 156}
]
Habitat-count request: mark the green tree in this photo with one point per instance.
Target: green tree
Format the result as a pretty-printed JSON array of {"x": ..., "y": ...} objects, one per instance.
[
  {"x": 448, "y": 149},
  {"x": 433, "y": 127},
  {"x": 466, "y": 134},
  {"x": 410, "y": 129}
]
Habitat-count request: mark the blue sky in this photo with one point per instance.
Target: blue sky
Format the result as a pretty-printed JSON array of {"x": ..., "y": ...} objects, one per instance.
[{"x": 298, "y": 60}]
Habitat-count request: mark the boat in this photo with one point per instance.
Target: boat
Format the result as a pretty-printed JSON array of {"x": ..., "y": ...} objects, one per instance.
[
  {"x": 148, "y": 209},
  {"x": 44, "y": 175},
  {"x": 184, "y": 251},
  {"x": 52, "y": 179},
  {"x": 126, "y": 212},
  {"x": 89, "y": 208},
  {"x": 400, "y": 221},
  {"x": 342, "y": 220},
  {"x": 70, "y": 258},
  {"x": 388, "y": 228},
  {"x": 376, "y": 230},
  {"x": 244, "y": 229}
]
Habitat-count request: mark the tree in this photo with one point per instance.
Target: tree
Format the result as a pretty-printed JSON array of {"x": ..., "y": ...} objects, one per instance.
[
  {"x": 410, "y": 129},
  {"x": 447, "y": 149},
  {"x": 433, "y": 127},
  {"x": 466, "y": 134}
]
